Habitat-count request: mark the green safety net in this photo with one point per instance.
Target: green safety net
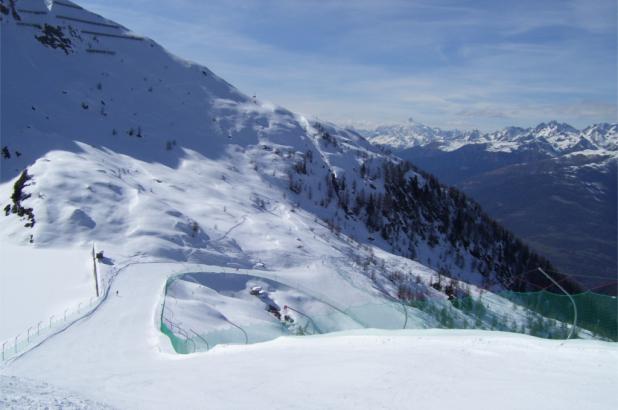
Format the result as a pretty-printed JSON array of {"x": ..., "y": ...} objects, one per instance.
[
  {"x": 180, "y": 345},
  {"x": 542, "y": 314},
  {"x": 595, "y": 312}
]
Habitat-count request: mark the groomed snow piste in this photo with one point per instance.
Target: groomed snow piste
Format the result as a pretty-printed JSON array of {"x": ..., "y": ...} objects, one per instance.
[
  {"x": 175, "y": 174},
  {"x": 119, "y": 357}
]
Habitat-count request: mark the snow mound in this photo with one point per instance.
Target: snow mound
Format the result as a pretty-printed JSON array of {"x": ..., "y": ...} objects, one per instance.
[{"x": 229, "y": 308}]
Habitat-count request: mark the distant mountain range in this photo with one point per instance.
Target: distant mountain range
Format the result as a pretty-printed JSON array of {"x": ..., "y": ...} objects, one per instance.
[
  {"x": 170, "y": 214},
  {"x": 553, "y": 185},
  {"x": 150, "y": 156},
  {"x": 552, "y": 138}
]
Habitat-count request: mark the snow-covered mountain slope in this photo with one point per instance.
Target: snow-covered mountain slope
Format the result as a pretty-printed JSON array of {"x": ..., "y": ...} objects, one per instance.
[
  {"x": 552, "y": 185},
  {"x": 550, "y": 139},
  {"x": 196, "y": 194},
  {"x": 127, "y": 144},
  {"x": 603, "y": 135},
  {"x": 413, "y": 134}
]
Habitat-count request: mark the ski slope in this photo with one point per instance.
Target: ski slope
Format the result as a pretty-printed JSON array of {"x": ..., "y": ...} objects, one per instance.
[
  {"x": 40, "y": 283},
  {"x": 118, "y": 357},
  {"x": 196, "y": 193}
]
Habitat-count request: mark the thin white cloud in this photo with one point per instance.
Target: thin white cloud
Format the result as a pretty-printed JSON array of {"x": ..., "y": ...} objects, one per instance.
[{"x": 385, "y": 61}]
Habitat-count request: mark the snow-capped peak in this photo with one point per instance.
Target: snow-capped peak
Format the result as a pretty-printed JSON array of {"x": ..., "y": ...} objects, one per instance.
[
  {"x": 223, "y": 220},
  {"x": 603, "y": 135},
  {"x": 551, "y": 138},
  {"x": 555, "y": 127},
  {"x": 413, "y": 133}
]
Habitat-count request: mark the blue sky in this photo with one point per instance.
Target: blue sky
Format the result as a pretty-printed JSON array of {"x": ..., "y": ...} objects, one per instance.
[{"x": 465, "y": 64}]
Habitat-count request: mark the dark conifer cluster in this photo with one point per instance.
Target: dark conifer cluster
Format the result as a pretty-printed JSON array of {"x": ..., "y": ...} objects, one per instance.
[{"x": 409, "y": 208}]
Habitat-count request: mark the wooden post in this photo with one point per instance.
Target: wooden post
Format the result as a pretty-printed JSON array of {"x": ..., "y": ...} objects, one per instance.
[{"x": 94, "y": 270}]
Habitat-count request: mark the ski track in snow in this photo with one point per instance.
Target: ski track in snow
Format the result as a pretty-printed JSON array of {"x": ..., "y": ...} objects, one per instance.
[{"x": 242, "y": 220}]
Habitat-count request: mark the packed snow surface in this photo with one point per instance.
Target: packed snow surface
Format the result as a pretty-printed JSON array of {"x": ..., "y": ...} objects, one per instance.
[
  {"x": 37, "y": 284},
  {"x": 177, "y": 175},
  {"x": 20, "y": 393},
  {"x": 118, "y": 356}
]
